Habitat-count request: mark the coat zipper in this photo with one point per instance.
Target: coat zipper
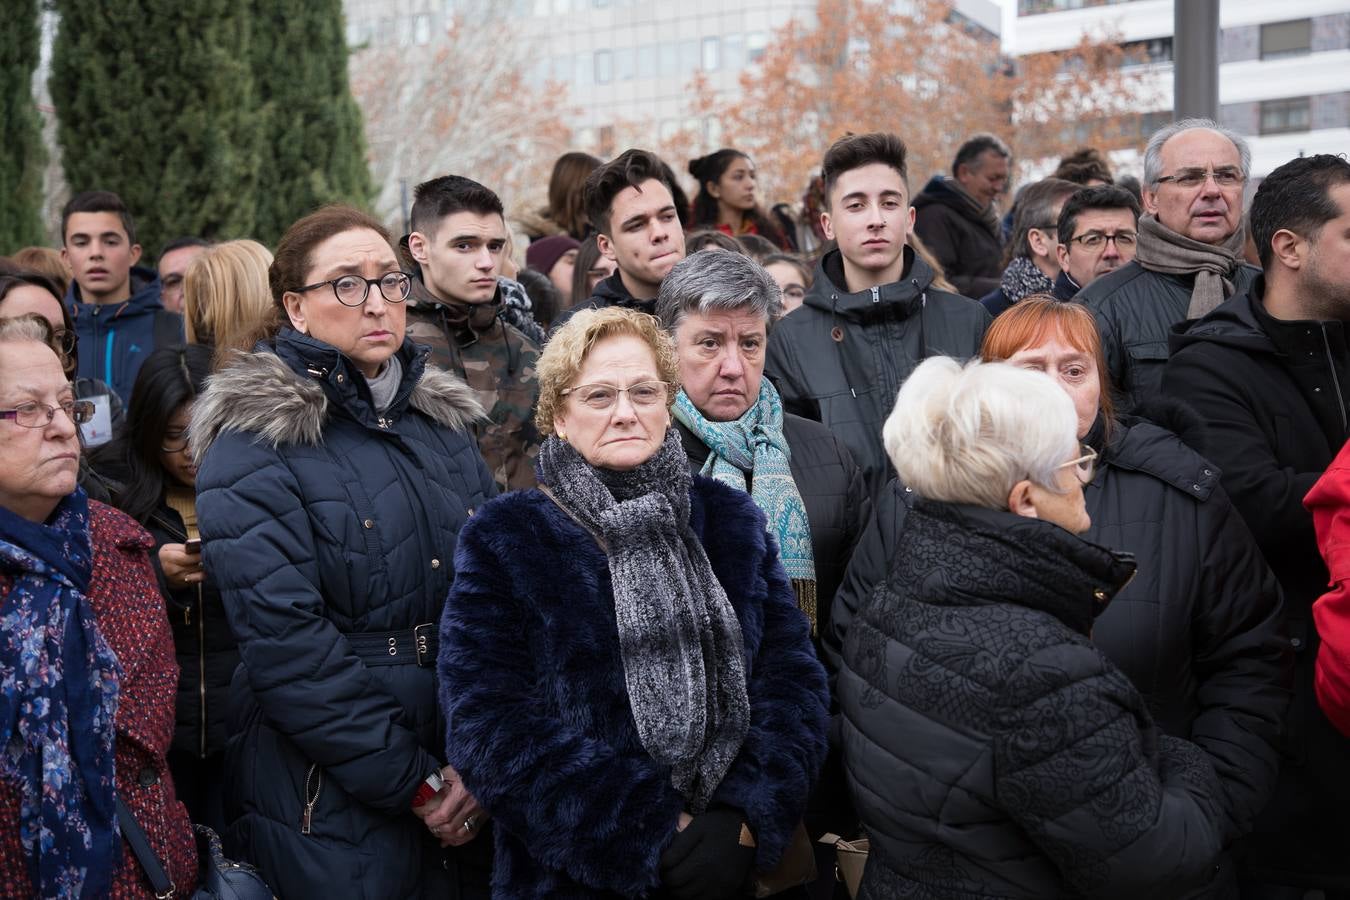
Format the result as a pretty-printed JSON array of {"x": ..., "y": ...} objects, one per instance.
[
  {"x": 201, "y": 666},
  {"x": 307, "y": 817},
  {"x": 1331, "y": 365}
]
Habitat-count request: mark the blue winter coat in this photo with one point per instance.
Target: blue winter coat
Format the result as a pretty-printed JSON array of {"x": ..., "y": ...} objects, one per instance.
[
  {"x": 322, "y": 520},
  {"x": 115, "y": 340},
  {"x": 541, "y": 729}
]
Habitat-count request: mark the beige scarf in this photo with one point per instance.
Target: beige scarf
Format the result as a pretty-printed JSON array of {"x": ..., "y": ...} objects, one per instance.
[{"x": 1163, "y": 250}]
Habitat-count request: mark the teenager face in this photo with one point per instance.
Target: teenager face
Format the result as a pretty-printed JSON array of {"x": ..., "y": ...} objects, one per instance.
[
  {"x": 561, "y": 274},
  {"x": 174, "y": 453},
  {"x": 644, "y": 239},
  {"x": 870, "y": 217},
  {"x": 1086, "y": 264},
  {"x": 100, "y": 256},
  {"x": 735, "y": 190},
  {"x": 790, "y": 282},
  {"x": 367, "y": 334},
  {"x": 462, "y": 258}
]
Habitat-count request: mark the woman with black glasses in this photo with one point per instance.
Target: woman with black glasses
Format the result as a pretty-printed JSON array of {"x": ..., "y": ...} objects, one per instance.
[
  {"x": 149, "y": 475},
  {"x": 337, "y": 469}
]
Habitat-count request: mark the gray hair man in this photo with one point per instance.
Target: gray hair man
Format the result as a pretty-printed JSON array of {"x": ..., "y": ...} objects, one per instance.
[
  {"x": 718, "y": 306},
  {"x": 1189, "y": 256}
]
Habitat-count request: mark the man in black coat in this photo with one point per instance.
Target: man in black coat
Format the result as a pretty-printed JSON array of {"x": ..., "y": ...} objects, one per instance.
[
  {"x": 958, "y": 219},
  {"x": 1270, "y": 372},
  {"x": 1098, "y": 231},
  {"x": 872, "y": 314},
  {"x": 632, "y": 207},
  {"x": 1189, "y": 257}
]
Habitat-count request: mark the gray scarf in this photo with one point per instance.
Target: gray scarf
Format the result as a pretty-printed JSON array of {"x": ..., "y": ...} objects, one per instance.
[
  {"x": 1022, "y": 279},
  {"x": 988, "y": 214},
  {"x": 385, "y": 385},
  {"x": 1163, "y": 250},
  {"x": 678, "y": 634}
]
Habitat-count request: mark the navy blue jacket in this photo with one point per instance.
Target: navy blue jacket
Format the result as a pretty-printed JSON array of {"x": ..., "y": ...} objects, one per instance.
[
  {"x": 116, "y": 339},
  {"x": 541, "y": 730},
  {"x": 323, "y": 520}
]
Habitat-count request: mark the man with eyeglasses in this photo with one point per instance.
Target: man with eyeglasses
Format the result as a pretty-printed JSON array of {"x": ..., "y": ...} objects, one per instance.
[
  {"x": 1269, "y": 370},
  {"x": 1189, "y": 254},
  {"x": 1032, "y": 264},
  {"x": 1098, "y": 231},
  {"x": 458, "y": 242}
]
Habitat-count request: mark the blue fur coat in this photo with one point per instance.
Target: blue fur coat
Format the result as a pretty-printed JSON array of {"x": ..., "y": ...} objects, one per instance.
[{"x": 540, "y": 727}]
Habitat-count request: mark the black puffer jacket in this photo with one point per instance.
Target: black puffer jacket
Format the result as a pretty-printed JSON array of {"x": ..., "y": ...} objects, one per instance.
[
  {"x": 1273, "y": 396},
  {"x": 609, "y": 292},
  {"x": 1135, "y": 310},
  {"x": 840, "y": 359},
  {"x": 992, "y": 749},
  {"x": 969, "y": 249},
  {"x": 330, "y": 530},
  {"x": 1197, "y": 631}
]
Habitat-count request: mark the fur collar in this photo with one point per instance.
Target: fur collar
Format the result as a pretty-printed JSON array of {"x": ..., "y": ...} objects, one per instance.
[{"x": 260, "y": 393}]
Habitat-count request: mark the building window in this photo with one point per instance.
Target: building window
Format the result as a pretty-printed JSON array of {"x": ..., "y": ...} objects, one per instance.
[
  {"x": 733, "y": 52},
  {"x": 668, "y": 59},
  {"x": 1146, "y": 53},
  {"x": 623, "y": 64},
  {"x": 1281, "y": 39},
  {"x": 755, "y": 43},
  {"x": 646, "y": 61},
  {"x": 604, "y": 67},
  {"x": 1287, "y": 115},
  {"x": 712, "y": 54},
  {"x": 422, "y": 29},
  {"x": 689, "y": 57},
  {"x": 584, "y": 66}
]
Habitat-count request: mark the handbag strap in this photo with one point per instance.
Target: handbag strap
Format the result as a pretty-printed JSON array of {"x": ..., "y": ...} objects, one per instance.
[
  {"x": 600, "y": 542},
  {"x": 160, "y": 882}
]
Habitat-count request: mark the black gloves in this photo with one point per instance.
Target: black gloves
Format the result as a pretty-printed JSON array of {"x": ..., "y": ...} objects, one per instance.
[{"x": 706, "y": 861}]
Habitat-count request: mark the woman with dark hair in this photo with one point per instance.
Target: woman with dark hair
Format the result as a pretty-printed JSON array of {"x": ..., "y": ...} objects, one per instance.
[
  {"x": 726, "y": 198},
  {"x": 23, "y": 292},
  {"x": 590, "y": 269},
  {"x": 566, "y": 210},
  {"x": 149, "y": 474},
  {"x": 337, "y": 468}
]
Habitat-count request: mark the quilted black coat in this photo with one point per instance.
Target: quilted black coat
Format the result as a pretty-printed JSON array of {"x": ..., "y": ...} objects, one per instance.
[
  {"x": 992, "y": 749},
  {"x": 322, "y": 521}
]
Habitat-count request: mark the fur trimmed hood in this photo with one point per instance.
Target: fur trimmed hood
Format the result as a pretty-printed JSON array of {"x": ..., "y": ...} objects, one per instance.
[{"x": 261, "y": 393}]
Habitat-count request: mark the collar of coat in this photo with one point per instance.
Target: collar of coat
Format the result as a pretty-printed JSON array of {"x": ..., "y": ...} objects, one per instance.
[{"x": 285, "y": 391}]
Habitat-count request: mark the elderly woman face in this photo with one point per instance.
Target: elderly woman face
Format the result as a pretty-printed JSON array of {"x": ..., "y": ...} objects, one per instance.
[
  {"x": 368, "y": 332},
  {"x": 614, "y": 412},
  {"x": 38, "y": 465},
  {"x": 722, "y": 360}
]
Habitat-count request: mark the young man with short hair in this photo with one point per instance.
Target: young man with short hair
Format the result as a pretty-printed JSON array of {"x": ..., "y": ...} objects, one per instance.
[
  {"x": 1269, "y": 370},
  {"x": 632, "y": 208},
  {"x": 119, "y": 319},
  {"x": 1098, "y": 231},
  {"x": 458, "y": 243},
  {"x": 872, "y": 313}
]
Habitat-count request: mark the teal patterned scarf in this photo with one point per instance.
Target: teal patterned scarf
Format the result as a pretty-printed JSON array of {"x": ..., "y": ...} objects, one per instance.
[{"x": 754, "y": 445}]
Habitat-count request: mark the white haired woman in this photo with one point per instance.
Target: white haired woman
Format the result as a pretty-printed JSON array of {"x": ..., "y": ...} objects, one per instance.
[{"x": 971, "y": 685}]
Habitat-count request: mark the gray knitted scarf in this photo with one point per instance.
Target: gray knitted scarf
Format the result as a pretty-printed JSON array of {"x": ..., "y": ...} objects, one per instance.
[
  {"x": 1163, "y": 250},
  {"x": 679, "y": 636}
]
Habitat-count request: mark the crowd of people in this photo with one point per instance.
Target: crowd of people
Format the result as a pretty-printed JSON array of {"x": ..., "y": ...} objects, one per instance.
[{"x": 641, "y": 546}]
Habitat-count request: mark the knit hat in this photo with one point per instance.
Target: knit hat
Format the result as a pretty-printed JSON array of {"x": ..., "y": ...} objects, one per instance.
[{"x": 544, "y": 254}]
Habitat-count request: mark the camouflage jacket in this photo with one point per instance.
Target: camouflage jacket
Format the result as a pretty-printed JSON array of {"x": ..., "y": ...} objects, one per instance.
[{"x": 498, "y": 362}]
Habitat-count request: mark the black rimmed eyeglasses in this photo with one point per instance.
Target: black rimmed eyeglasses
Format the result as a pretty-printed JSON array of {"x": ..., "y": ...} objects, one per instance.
[{"x": 352, "y": 290}]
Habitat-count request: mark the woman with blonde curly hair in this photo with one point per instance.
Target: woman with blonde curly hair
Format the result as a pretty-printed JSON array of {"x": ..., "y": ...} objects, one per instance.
[{"x": 631, "y": 687}]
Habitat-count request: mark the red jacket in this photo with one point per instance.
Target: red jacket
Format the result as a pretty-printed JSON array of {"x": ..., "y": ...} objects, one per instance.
[
  {"x": 1329, "y": 502},
  {"x": 125, "y": 597}
]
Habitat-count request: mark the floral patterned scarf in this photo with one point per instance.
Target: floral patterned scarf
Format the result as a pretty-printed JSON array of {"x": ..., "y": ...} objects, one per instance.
[{"x": 58, "y": 696}]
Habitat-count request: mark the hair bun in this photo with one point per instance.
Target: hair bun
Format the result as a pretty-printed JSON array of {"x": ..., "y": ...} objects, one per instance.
[{"x": 696, "y": 167}]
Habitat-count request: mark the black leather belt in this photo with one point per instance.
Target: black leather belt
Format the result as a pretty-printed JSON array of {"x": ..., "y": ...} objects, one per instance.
[{"x": 409, "y": 647}]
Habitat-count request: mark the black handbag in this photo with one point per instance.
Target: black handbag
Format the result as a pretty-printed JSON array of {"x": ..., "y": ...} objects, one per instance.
[{"x": 217, "y": 877}]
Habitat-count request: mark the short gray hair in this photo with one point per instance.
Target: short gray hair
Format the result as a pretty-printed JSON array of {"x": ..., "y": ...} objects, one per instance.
[
  {"x": 1153, "y": 152},
  {"x": 28, "y": 327},
  {"x": 967, "y": 434},
  {"x": 717, "y": 280}
]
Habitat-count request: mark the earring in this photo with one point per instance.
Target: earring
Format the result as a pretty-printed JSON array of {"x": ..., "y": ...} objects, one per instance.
[{"x": 562, "y": 436}]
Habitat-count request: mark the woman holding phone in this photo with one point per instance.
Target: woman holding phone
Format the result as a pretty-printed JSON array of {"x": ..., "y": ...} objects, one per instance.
[{"x": 149, "y": 474}]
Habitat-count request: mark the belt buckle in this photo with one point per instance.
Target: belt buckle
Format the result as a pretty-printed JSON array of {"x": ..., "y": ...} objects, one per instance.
[{"x": 422, "y": 643}]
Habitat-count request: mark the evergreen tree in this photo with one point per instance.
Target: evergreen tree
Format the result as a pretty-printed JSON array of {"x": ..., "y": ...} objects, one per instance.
[
  {"x": 155, "y": 100},
  {"x": 315, "y": 151},
  {"x": 22, "y": 155}
]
